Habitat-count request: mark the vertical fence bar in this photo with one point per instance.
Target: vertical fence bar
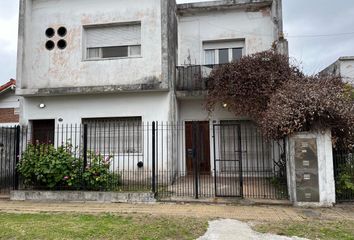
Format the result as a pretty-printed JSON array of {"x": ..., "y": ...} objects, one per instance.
[
  {"x": 240, "y": 159},
  {"x": 215, "y": 166},
  {"x": 17, "y": 157},
  {"x": 195, "y": 159},
  {"x": 85, "y": 148},
  {"x": 153, "y": 152},
  {"x": 157, "y": 156}
]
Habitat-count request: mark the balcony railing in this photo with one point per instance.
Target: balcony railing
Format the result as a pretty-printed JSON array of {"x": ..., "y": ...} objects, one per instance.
[{"x": 193, "y": 77}]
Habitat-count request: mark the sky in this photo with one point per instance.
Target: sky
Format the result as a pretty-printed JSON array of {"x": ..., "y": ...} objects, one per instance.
[{"x": 318, "y": 31}]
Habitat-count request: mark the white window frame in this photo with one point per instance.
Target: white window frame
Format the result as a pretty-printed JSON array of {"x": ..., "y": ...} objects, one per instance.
[
  {"x": 85, "y": 49},
  {"x": 100, "y": 57},
  {"x": 217, "y": 45}
]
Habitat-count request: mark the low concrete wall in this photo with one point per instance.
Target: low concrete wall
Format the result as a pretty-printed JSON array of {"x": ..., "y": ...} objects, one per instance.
[{"x": 81, "y": 196}]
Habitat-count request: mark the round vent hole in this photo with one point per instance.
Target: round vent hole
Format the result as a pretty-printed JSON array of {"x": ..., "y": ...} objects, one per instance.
[
  {"x": 49, "y": 45},
  {"x": 50, "y": 32},
  {"x": 62, "y": 44},
  {"x": 62, "y": 31}
]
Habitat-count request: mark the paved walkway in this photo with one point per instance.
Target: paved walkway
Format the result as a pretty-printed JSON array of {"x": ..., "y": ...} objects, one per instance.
[
  {"x": 227, "y": 229},
  {"x": 238, "y": 212}
]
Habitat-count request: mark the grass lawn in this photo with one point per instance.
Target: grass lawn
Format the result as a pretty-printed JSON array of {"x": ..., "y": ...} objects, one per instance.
[
  {"x": 82, "y": 226},
  {"x": 314, "y": 229}
]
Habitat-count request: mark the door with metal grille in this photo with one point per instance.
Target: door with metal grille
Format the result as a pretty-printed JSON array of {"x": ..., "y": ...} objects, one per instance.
[{"x": 227, "y": 160}]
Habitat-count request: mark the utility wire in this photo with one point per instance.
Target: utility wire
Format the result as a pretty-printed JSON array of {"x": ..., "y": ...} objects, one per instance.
[{"x": 320, "y": 35}]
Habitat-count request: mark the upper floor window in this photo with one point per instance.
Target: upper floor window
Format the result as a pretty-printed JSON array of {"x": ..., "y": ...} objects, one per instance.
[
  {"x": 114, "y": 41},
  {"x": 221, "y": 52}
]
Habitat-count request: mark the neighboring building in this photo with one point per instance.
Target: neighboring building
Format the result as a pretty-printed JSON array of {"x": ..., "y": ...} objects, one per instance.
[
  {"x": 134, "y": 61},
  {"x": 343, "y": 67},
  {"x": 9, "y": 104}
]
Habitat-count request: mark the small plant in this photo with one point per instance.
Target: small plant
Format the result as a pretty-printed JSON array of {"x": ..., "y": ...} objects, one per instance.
[{"x": 345, "y": 180}]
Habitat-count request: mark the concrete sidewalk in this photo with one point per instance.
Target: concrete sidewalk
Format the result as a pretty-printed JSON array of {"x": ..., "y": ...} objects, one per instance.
[
  {"x": 227, "y": 229},
  {"x": 238, "y": 212}
]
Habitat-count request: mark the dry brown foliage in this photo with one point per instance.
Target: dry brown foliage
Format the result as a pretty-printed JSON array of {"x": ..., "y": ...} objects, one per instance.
[
  {"x": 247, "y": 85},
  {"x": 281, "y": 99}
]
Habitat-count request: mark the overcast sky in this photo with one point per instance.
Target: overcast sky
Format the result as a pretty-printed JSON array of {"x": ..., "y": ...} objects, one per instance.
[{"x": 318, "y": 31}]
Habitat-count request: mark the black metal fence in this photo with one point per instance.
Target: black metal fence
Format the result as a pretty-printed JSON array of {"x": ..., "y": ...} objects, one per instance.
[
  {"x": 344, "y": 175},
  {"x": 228, "y": 159},
  {"x": 190, "y": 159},
  {"x": 8, "y": 156}
]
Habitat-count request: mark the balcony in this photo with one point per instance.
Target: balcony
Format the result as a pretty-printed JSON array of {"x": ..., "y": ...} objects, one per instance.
[{"x": 194, "y": 77}]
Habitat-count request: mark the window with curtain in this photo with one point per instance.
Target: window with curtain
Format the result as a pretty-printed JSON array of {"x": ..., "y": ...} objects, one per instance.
[
  {"x": 115, "y": 135},
  {"x": 224, "y": 56},
  {"x": 210, "y": 57},
  {"x": 114, "y": 41}
]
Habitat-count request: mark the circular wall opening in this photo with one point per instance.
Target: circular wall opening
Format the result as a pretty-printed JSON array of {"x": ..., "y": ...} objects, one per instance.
[
  {"x": 49, "y": 45},
  {"x": 62, "y": 44},
  {"x": 62, "y": 31},
  {"x": 50, "y": 32}
]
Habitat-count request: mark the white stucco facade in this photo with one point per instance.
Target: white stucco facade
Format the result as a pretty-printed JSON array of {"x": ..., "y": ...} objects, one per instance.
[
  {"x": 252, "y": 30},
  {"x": 9, "y": 100},
  {"x": 41, "y": 68},
  {"x": 72, "y": 109}
]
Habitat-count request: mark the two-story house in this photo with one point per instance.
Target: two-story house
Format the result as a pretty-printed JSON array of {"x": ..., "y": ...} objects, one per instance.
[
  {"x": 85, "y": 59},
  {"x": 135, "y": 61}
]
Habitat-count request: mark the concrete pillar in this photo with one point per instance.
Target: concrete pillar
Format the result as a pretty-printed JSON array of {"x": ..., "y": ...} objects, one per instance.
[{"x": 310, "y": 169}]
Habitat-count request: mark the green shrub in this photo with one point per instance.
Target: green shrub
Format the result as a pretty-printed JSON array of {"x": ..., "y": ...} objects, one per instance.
[
  {"x": 97, "y": 174},
  {"x": 46, "y": 166},
  {"x": 345, "y": 180}
]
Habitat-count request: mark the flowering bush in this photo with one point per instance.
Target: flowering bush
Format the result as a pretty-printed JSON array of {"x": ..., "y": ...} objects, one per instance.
[
  {"x": 97, "y": 174},
  {"x": 45, "y": 166}
]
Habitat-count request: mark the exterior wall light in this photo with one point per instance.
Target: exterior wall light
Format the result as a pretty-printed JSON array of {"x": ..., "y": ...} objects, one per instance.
[
  {"x": 224, "y": 105},
  {"x": 42, "y": 105}
]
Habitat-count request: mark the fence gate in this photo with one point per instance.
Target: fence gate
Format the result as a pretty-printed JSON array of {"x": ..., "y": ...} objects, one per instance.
[
  {"x": 228, "y": 160},
  {"x": 8, "y": 152}
]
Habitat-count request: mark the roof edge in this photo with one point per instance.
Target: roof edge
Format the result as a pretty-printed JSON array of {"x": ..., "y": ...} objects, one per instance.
[
  {"x": 344, "y": 58},
  {"x": 222, "y": 5},
  {"x": 9, "y": 85}
]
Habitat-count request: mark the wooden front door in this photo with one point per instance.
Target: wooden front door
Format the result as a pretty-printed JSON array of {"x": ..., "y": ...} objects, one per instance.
[
  {"x": 43, "y": 131},
  {"x": 198, "y": 147}
]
